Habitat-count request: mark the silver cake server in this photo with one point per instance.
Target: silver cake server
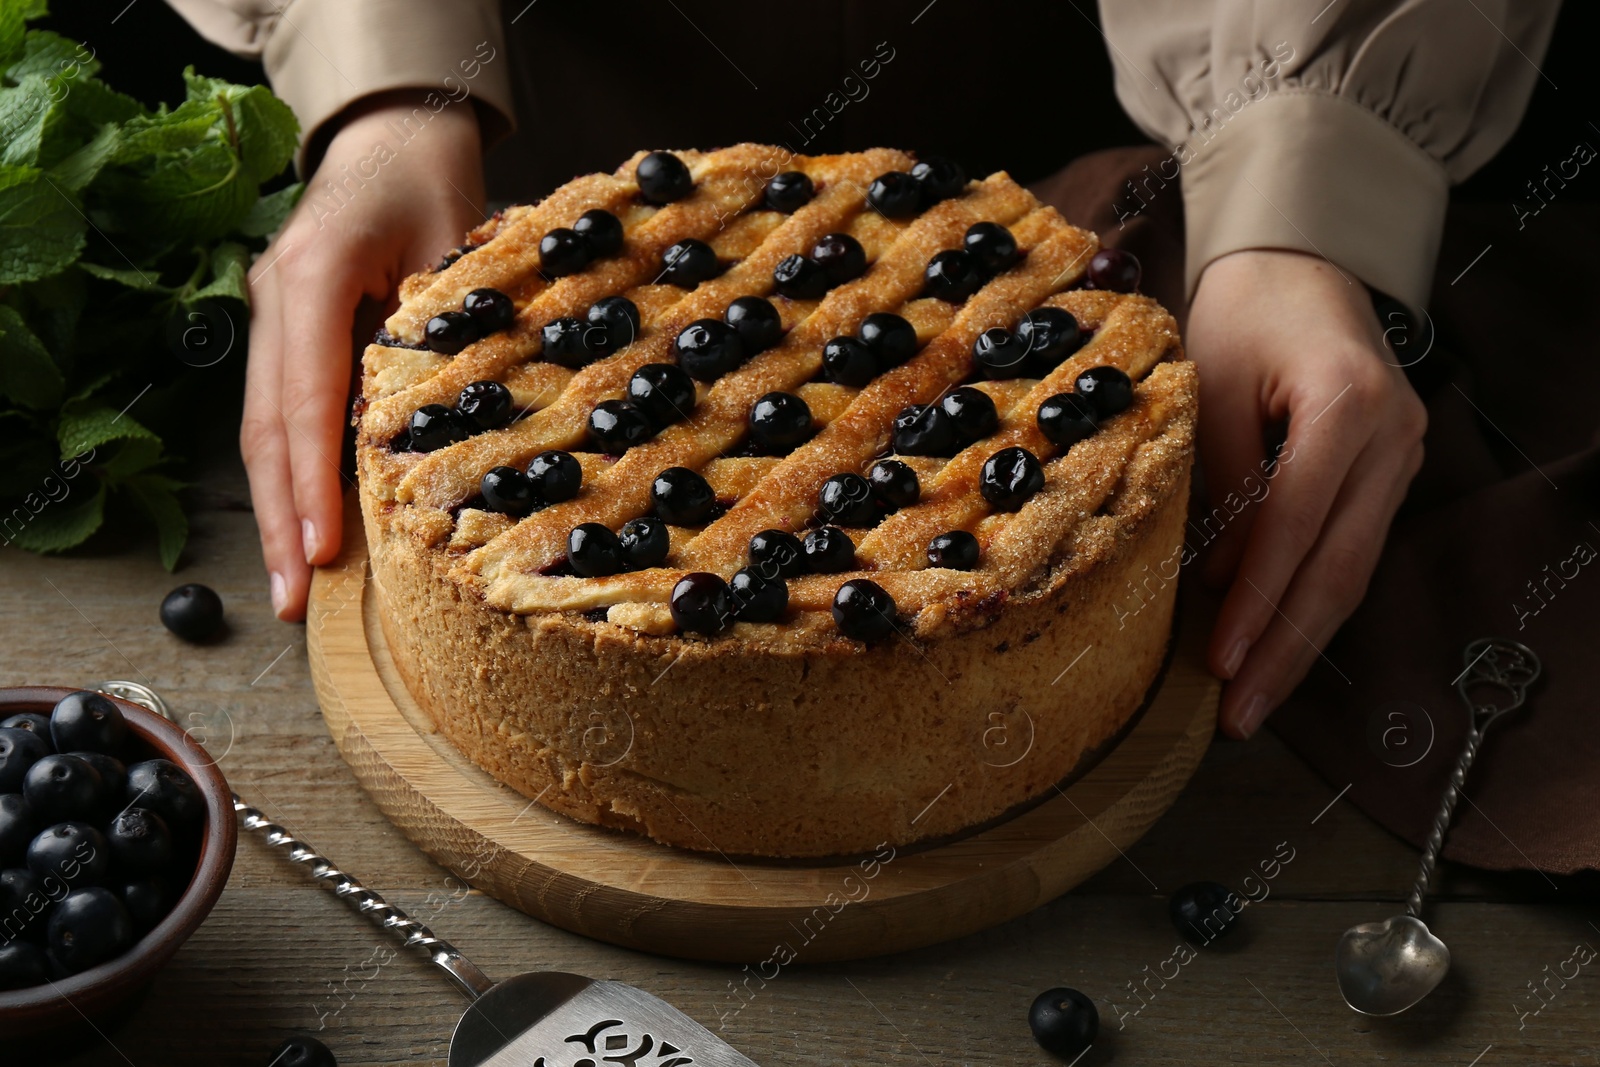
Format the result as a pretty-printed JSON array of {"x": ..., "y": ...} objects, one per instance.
[{"x": 537, "y": 1019}]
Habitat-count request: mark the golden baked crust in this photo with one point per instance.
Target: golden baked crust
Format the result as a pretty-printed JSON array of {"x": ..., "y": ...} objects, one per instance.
[{"x": 786, "y": 738}]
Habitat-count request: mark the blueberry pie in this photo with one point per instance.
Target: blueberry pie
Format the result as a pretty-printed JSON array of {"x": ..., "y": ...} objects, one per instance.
[{"x": 778, "y": 505}]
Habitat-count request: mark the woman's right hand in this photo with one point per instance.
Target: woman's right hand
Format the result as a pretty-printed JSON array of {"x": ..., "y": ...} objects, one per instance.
[{"x": 393, "y": 207}]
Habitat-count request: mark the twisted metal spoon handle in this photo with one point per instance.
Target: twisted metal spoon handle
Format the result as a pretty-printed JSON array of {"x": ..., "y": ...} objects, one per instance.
[
  {"x": 407, "y": 930},
  {"x": 1441, "y": 822}
]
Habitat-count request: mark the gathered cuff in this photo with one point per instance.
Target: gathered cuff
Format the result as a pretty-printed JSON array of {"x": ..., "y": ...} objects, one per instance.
[
  {"x": 456, "y": 51},
  {"x": 1313, "y": 172}
]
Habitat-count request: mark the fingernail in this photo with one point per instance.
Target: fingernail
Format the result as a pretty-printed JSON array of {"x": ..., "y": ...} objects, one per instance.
[
  {"x": 1255, "y": 709},
  {"x": 280, "y": 593},
  {"x": 1235, "y": 657},
  {"x": 308, "y": 539}
]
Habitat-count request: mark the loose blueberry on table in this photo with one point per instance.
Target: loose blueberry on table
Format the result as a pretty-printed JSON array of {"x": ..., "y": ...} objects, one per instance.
[
  {"x": 1204, "y": 911},
  {"x": 192, "y": 612},
  {"x": 303, "y": 1051},
  {"x": 1064, "y": 1022}
]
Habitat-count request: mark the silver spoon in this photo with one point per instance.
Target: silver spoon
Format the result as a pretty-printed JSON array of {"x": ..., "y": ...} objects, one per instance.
[
  {"x": 541, "y": 1018},
  {"x": 1387, "y": 967}
]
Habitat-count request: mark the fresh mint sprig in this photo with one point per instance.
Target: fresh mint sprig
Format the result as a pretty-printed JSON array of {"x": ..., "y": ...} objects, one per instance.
[{"x": 125, "y": 235}]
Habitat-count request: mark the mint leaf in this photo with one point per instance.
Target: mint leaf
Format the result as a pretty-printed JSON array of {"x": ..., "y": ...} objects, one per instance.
[
  {"x": 156, "y": 495},
  {"x": 155, "y": 133},
  {"x": 230, "y": 263},
  {"x": 136, "y": 456},
  {"x": 93, "y": 102},
  {"x": 79, "y": 169},
  {"x": 267, "y": 215},
  {"x": 41, "y": 229},
  {"x": 49, "y": 54},
  {"x": 13, "y": 18},
  {"x": 26, "y": 109},
  {"x": 133, "y": 278},
  {"x": 28, "y": 376},
  {"x": 192, "y": 194},
  {"x": 58, "y": 525},
  {"x": 263, "y": 130},
  {"x": 90, "y": 425}
]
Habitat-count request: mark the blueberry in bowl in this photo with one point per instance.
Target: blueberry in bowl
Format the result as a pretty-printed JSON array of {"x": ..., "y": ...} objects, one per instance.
[{"x": 99, "y": 890}]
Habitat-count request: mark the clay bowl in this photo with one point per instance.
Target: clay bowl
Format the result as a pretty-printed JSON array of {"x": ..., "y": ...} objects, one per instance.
[{"x": 102, "y": 995}]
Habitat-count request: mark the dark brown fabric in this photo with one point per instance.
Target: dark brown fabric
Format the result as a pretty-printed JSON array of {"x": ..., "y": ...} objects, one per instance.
[
  {"x": 1490, "y": 542},
  {"x": 1023, "y": 85}
]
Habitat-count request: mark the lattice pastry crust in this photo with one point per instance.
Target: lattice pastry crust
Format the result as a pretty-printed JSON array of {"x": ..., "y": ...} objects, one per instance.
[{"x": 746, "y": 743}]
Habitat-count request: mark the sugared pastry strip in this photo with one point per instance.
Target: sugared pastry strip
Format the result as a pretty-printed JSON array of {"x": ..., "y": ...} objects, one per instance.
[{"x": 721, "y": 418}]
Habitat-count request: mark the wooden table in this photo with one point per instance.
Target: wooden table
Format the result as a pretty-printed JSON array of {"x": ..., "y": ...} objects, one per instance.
[{"x": 280, "y": 955}]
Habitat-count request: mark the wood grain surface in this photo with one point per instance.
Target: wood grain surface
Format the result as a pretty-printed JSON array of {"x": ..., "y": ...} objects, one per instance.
[
  {"x": 625, "y": 889},
  {"x": 282, "y": 956}
]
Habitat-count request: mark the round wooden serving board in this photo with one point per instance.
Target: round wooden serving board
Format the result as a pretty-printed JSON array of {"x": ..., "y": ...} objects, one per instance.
[{"x": 631, "y": 891}]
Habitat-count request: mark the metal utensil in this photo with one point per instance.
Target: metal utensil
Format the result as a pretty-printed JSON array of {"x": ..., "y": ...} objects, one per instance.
[
  {"x": 1387, "y": 967},
  {"x": 538, "y": 1019}
]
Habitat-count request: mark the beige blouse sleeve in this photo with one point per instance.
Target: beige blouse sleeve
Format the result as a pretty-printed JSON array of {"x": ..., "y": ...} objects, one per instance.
[
  {"x": 1329, "y": 128},
  {"x": 323, "y": 55}
]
